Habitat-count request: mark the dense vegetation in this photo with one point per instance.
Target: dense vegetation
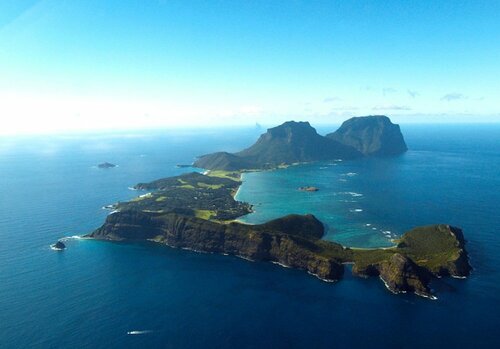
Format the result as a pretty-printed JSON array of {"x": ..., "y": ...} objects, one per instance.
[{"x": 194, "y": 194}]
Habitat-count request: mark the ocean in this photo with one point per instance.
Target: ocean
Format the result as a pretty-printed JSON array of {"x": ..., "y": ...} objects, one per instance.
[{"x": 121, "y": 295}]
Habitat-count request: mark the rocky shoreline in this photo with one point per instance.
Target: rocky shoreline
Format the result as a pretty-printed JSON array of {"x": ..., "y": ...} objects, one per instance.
[{"x": 295, "y": 241}]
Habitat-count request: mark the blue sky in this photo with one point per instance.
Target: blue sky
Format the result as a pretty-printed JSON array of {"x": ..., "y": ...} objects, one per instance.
[{"x": 85, "y": 64}]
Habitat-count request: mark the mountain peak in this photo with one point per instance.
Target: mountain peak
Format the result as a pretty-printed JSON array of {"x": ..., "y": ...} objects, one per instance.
[
  {"x": 293, "y": 142},
  {"x": 295, "y": 124},
  {"x": 292, "y": 127},
  {"x": 371, "y": 135},
  {"x": 297, "y": 141}
]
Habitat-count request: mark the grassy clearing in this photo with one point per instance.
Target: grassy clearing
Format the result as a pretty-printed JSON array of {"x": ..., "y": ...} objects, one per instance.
[
  {"x": 234, "y": 175},
  {"x": 161, "y": 198},
  {"x": 431, "y": 246},
  {"x": 209, "y": 186},
  {"x": 142, "y": 197},
  {"x": 186, "y": 186},
  {"x": 204, "y": 214},
  {"x": 371, "y": 256}
]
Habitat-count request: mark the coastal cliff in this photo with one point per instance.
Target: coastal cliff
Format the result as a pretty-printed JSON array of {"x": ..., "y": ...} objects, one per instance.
[
  {"x": 420, "y": 255},
  {"x": 372, "y": 135},
  {"x": 287, "y": 241},
  {"x": 295, "y": 241}
]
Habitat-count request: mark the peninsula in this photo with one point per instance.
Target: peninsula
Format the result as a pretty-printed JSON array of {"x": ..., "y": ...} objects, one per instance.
[{"x": 198, "y": 212}]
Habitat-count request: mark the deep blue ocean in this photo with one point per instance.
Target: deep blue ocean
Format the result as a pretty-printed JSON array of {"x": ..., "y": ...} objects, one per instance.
[{"x": 93, "y": 293}]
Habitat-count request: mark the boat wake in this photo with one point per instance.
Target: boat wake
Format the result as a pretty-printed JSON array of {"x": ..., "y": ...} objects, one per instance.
[
  {"x": 351, "y": 193},
  {"x": 136, "y": 332}
]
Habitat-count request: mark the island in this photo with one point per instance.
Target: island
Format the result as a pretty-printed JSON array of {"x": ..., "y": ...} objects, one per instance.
[
  {"x": 58, "y": 246},
  {"x": 308, "y": 188},
  {"x": 198, "y": 212},
  {"x": 106, "y": 165}
]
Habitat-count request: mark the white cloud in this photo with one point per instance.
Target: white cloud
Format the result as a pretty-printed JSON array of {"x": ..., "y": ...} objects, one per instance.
[
  {"x": 391, "y": 107},
  {"x": 453, "y": 97},
  {"x": 41, "y": 113}
]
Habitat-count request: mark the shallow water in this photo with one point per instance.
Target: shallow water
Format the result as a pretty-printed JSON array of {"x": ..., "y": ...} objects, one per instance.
[{"x": 94, "y": 293}]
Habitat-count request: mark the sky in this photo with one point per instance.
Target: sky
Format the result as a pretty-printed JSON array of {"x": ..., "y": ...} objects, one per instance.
[{"x": 93, "y": 64}]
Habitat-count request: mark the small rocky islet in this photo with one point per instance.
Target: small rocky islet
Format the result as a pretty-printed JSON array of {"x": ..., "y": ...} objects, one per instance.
[
  {"x": 198, "y": 212},
  {"x": 58, "y": 246},
  {"x": 105, "y": 165},
  {"x": 308, "y": 188}
]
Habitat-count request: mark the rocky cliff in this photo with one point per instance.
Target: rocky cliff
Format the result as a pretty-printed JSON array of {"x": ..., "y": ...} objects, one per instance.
[
  {"x": 399, "y": 273},
  {"x": 287, "y": 241},
  {"x": 439, "y": 248},
  {"x": 421, "y": 254},
  {"x": 371, "y": 135},
  {"x": 291, "y": 142},
  {"x": 295, "y": 241},
  {"x": 295, "y": 142}
]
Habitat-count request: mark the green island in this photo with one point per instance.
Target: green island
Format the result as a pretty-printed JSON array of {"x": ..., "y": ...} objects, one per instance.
[{"x": 198, "y": 212}]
